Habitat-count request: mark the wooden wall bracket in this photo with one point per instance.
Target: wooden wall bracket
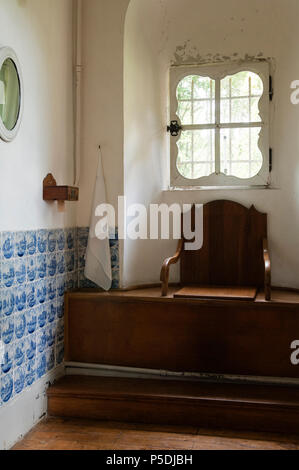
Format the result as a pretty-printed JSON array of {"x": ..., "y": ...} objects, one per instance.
[{"x": 52, "y": 192}]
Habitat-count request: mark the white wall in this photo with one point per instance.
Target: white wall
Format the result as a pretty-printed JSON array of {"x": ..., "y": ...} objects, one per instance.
[
  {"x": 25, "y": 411},
  {"x": 102, "y": 120},
  {"x": 159, "y": 34},
  {"x": 40, "y": 31},
  {"x": 145, "y": 169}
]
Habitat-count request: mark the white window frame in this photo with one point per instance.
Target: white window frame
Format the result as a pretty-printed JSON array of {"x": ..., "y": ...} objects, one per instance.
[
  {"x": 5, "y": 134},
  {"x": 218, "y": 72}
]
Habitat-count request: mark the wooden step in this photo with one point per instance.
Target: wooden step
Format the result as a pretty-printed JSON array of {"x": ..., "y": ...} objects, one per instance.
[{"x": 268, "y": 408}]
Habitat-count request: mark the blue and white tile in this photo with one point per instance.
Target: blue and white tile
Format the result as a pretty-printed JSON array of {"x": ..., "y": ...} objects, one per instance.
[
  {"x": 61, "y": 267},
  {"x": 60, "y": 286},
  {"x": 19, "y": 353},
  {"x": 70, "y": 261},
  {"x": 8, "y": 302},
  {"x": 20, "y": 271},
  {"x": 41, "y": 266},
  {"x": 51, "y": 335},
  {"x": 31, "y": 268},
  {"x": 51, "y": 312},
  {"x": 8, "y": 330},
  {"x": 70, "y": 234},
  {"x": 52, "y": 241},
  {"x": 20, "y": 325},
  {"x": 30, "y": 347},
  {"x": 71, "y": 281},
  {"x": 41, "y": 292},
  {"x": 59, "y": 353},
  {"x": 7, "y": 387},
  {"x": 83, "y": 234},
  {"x": 41, "y": 341},
  {"x": 52, "y": 265},
  {"x": 41, "y": 366},
  {"x": 8, "y": 274},
  {"x": 42, "y": 315},
  {"x": 31, "y": 294},
  {"x": 19, "y": 380},
  {"x": 31, "y": 242},
  {"x": 51, "y": 289},
  {"x": 20, "y": 244},
  {"x": 7, "y": 362},
  {"x": 31, "y": 320},
  {"x": 30, "y": 373},
  {"x": 42, "y": 241},
  {"x": 81, "y": 258},
  {"x": 7, "y": 245},
  {"x": 60, "y": 238},
  {"x": 20, "y": 298}
]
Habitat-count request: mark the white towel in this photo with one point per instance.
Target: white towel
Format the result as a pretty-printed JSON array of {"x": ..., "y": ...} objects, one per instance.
[{"x": 98, "y": 255}]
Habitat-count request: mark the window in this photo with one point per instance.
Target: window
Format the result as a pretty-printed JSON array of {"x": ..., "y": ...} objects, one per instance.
[{"x": 223, "y": 111}]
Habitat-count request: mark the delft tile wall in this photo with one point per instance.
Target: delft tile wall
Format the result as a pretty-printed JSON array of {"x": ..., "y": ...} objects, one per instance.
[{"x": 36, "y": 269}]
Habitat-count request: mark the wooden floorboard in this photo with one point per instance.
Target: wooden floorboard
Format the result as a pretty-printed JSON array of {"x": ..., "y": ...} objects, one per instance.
[{"x": 74, "y": 434}]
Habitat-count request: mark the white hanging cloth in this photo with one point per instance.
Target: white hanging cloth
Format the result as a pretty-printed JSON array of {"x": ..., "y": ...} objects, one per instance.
[{"x": 98, "y": 255}]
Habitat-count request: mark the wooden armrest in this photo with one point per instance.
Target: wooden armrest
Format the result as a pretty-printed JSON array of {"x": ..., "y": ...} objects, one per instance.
[
  {"x": 166, "y": 265},
  {"x": 267, "y": 263}
]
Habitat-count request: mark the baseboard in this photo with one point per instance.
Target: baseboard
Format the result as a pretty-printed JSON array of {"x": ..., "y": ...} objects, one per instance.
[
  {"x": 19, "y": 416},
  {"x": 97, "y": 370}
]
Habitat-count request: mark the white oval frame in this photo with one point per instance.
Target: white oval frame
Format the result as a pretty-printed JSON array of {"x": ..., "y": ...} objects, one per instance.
[{"x": 5, "y": 134}]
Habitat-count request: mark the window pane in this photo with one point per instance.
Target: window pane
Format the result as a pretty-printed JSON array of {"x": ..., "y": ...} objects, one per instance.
[
  {"x": 185, "y": 148},
  {"x": 240, "y": 84},
  {"x": 240, "y": 154},
  {"x": 185, "y": 112},
  {"x": 257, "y": 86},
  {"x": 196, "y": 100},
  {"x": 203, "y": 112},
  {"x": 184, "y": 89},
  {"x": 204, "y": 87},
  {"x": 240, "y": 169},
  {"x": 240, "y": 96},
  {"x": 196, "y": 153}
]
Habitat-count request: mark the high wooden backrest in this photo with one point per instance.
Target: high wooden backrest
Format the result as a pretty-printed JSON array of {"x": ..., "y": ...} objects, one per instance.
[{"x": 232, "y": 252}]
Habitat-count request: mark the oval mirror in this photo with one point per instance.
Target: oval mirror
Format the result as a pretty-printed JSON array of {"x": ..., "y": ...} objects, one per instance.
[{"x": 11, "y": 95}]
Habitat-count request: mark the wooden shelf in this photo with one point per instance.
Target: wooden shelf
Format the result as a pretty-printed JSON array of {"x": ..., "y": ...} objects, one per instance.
[{"x": 53, "y": 192}]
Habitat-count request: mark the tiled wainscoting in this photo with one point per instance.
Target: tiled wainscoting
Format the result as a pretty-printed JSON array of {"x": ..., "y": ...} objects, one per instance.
[{"x": 36, "y": 269}]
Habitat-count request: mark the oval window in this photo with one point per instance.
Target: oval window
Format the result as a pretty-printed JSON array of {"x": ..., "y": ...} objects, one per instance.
[{"x": 10, "y": 94}]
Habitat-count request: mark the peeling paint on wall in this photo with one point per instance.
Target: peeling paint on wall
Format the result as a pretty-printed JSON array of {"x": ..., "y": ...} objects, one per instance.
[{"x": 189, "y": 54}]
